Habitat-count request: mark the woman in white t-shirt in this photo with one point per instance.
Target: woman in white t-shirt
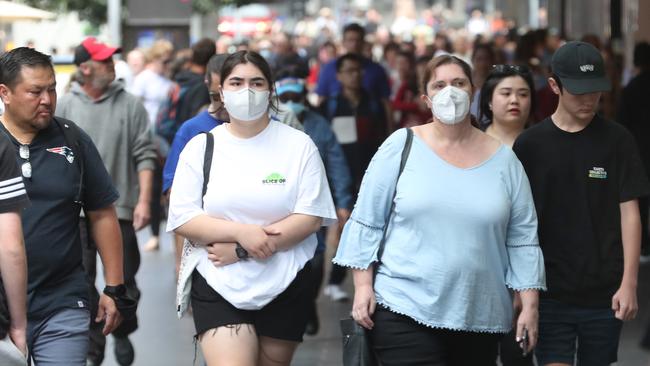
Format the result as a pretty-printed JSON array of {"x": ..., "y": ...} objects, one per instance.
[{"x": 251, "y": 241}]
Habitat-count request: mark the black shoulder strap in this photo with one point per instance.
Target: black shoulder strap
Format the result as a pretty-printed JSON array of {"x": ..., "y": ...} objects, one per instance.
[
  {"x": 72, "y": 136},
  {"x": 405, "y": 155},
  {"x": 207, "y": 162}
]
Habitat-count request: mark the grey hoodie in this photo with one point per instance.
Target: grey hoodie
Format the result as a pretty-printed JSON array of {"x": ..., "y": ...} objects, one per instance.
[{"x": 118, "y": 124}]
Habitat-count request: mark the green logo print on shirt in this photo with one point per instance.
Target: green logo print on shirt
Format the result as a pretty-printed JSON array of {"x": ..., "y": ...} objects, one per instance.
[
  {"x": 274, "y": 178},
  {"x": 598, "y": 173}
]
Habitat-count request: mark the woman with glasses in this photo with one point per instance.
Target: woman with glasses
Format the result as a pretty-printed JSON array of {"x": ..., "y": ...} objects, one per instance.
[
  {"x": 459, "y": 229},
  {"x": 253, "y": 231},
  {"x": 507, "y": 102}
]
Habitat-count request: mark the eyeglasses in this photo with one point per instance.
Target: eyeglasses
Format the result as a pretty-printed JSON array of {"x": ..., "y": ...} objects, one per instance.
[
  {"x": 520, "y": 69},
  {"x": 351, "y": 71},
  {"x": 26, "y": 167},
  {"x": 290, "y": 97}
]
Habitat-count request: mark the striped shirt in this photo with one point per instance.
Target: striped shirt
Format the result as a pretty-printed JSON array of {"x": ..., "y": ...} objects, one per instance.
[{"x": 13, "y": 195}]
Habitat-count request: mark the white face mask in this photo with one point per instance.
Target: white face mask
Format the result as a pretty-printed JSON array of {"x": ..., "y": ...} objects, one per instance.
[
  {"x": 450, "y": 105},
  {"x": 246, "y": 104}
]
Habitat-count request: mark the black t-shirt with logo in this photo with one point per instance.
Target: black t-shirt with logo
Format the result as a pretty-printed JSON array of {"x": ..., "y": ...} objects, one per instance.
[
  {"x": 56, "y": 278},
  {"x": 13, "y": 196},
  {"x": 578, "y": 181}
]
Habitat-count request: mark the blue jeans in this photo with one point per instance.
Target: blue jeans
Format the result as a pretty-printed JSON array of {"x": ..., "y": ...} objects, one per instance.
[
  {"x": 60, "y": 339},
  {"x": 563, "y": 328}
]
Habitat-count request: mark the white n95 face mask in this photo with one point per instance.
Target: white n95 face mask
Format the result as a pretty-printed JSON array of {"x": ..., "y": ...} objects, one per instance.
[
  {"x": 450, "y": 105},
  {"x": 246, "y": 104}
]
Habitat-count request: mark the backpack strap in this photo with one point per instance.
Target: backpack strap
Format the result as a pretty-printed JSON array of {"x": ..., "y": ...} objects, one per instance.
[
  {"x": 331, "y": 106},
  {"x": 72, "y": 136},
  {"x": 405, "y": 155},
  {"x": 207, "y": 162}
]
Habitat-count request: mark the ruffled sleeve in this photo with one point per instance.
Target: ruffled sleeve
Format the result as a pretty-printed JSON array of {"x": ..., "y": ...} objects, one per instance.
[
  {"x": 363, "y": 231},
  {"x": 525, "y": 260}
]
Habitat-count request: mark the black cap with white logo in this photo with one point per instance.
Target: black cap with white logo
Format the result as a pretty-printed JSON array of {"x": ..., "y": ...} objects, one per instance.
[{"x": 581, "y": 68}]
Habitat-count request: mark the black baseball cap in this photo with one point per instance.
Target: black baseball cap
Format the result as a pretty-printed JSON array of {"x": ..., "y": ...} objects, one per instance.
[{"x": 581, "y": 68}]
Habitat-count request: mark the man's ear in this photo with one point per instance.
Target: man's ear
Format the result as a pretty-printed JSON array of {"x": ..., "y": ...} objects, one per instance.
[
  {"x": 554, "y": 87},
  {"x": 5, "y": 93},
  {"x": 85, "y": 68}
]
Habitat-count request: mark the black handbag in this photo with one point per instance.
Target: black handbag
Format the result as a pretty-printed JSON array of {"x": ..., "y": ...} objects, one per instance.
[
  {"x": 357, "y": 350},
  {"x": 356, "y": 345}
]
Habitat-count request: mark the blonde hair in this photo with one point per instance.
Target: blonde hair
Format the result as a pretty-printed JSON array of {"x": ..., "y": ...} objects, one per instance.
[{"x": 160, "y": 49}]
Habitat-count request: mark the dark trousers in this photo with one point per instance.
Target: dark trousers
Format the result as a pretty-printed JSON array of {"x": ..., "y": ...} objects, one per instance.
[
  {"x": 511, "y": 354},
  {"x": 337, "y": 275},
  {"x": 400, "y": 341},
  {"x": 317, "y": 271},
  {"x": 131, "y": 257},
  {"x": 156, "y": 195}
]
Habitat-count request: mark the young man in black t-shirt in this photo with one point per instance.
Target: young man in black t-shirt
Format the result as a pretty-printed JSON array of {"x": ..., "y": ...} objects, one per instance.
[
  {"x": 13, "y": 264},
  {"x": 586, "y": 176},
  {"x": 58, "y": 314}
]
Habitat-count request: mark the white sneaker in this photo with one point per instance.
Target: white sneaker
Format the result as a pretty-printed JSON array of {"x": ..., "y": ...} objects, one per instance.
[{"x": 335, "y": 293}]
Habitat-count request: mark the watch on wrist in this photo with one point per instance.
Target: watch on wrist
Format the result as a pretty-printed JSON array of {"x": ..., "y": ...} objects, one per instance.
[
  {"x": 241, "y": 252},
  {"x": 115, "y": 291}
]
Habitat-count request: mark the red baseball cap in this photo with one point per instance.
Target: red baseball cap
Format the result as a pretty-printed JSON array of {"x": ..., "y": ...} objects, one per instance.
[{"x": 92, "y": 49}]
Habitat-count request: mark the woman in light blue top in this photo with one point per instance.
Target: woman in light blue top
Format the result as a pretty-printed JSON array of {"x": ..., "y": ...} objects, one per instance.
[{"x": 463, "y": 231}]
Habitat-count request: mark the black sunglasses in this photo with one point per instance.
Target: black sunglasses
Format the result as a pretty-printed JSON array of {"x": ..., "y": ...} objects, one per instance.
[{"x": 520, "y": 69}]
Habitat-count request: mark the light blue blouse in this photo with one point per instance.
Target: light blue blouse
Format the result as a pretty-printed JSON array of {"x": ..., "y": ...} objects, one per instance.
[{"x": 458, "y": 239}]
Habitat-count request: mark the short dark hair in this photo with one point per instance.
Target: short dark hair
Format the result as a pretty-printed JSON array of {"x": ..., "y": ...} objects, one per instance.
[
  {"x": 252, "y": 57},
  {"x": 289, "y": 71},
  {"x": 494, "y": 78},
  {"x": 408, "y": 56},
  {"x": 348, "y": 57},
  {"x": 642, "y": 55},
  {"x": 484, "y": 47},
  {"x": 355, "y": 27},
  {"x": 202, "y": 51},
  {"x": 391, "y": 46},
  {"x": 214, "y": 66},
  {"x": 12, "y": 62}
]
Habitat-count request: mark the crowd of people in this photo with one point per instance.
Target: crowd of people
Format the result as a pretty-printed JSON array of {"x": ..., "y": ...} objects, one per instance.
[{"x": 512, "y": 225}]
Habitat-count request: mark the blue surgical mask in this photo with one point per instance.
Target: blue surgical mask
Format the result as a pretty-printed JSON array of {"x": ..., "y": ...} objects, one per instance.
[{"x": 296, "y": 108}]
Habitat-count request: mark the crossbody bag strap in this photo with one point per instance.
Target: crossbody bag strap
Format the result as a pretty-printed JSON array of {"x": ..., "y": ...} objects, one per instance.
[
  {"x": 72, "y": 137},
  {"x": 207, "y": 162},
  {"x": 405, "y": 155}
]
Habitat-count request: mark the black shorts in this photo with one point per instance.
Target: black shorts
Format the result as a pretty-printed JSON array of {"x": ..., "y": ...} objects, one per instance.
[{"x": 283, "y": 318}]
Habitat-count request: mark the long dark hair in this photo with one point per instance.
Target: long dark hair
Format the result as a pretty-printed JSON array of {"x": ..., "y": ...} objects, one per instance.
[
  {"x": 498, "y": 73},
  {"x": 252, "y": 57}
]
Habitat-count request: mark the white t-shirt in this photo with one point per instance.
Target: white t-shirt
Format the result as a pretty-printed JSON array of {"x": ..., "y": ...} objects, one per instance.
[
  {"x": 154, "y": 91},
  {"x": 259, "y": 180}
]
